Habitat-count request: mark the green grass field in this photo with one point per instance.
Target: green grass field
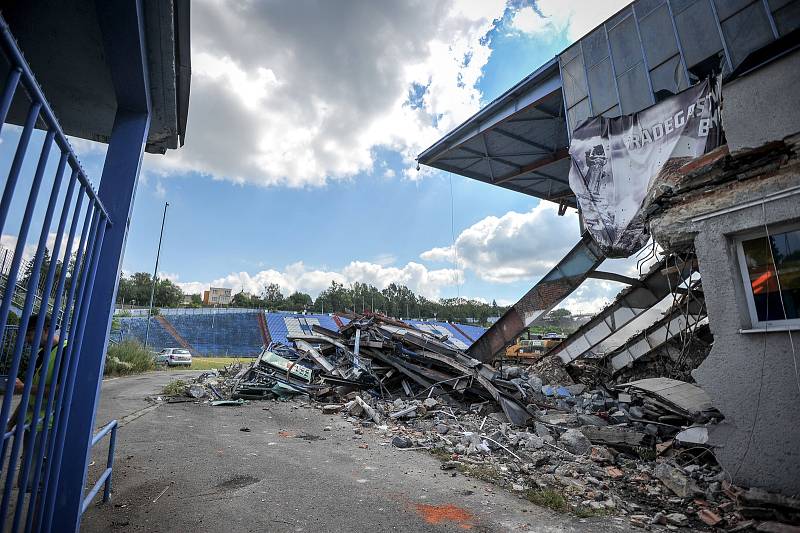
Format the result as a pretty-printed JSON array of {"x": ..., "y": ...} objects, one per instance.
[{"x": 207, "y": 363}]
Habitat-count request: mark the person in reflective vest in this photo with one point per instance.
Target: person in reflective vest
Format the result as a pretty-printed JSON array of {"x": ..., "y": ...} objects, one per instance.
[{"x": 44, "y": 359}]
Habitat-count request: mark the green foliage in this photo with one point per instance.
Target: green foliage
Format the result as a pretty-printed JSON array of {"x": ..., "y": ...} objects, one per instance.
[
  {"x": 272, "y": 296},
  {"x": 298, "y": 301},
  {"x": 560, "y": 313},
  {"x": 587, "y": 512},
  {"x": 242, "y": 299},
  {"x": 13, "y": 319},
  {"x": 27, "y": 273},
  {"x": 550, "y": 498},
  {"x": 176, "y": 387},
  {"x": 128, "y": 357},
  {"x": 483, "y": 472},
  {"x": 135, "y": 290},
  {"x": 541, "y": 330}
]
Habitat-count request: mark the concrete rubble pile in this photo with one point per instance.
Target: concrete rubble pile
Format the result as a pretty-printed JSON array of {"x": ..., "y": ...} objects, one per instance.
[{"x": 634, "y": 450}]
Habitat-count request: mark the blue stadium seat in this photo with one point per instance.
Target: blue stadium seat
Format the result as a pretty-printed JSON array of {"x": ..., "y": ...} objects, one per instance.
[
  {"x": 135, "y": 327},
  {"x": 220, "y": 334}
]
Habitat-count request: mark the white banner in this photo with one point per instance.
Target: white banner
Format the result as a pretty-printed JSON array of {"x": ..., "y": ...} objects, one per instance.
[{"x": 616, "y": 162}]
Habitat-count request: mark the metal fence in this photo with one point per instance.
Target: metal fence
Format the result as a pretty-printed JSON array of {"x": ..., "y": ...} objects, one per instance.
[{"x": 72, "y": 222}]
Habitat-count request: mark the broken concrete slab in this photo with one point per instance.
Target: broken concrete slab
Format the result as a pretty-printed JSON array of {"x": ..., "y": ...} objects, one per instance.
[{"x": 676, "y": 481}]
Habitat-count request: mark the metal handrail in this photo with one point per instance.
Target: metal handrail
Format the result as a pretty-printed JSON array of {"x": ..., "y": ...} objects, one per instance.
[{"x": 105, "y": 478}]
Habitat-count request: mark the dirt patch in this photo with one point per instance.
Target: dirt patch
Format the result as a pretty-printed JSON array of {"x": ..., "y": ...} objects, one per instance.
[
  {"x": 437, "y": 514},
  {"x": 237, "y": 482}
]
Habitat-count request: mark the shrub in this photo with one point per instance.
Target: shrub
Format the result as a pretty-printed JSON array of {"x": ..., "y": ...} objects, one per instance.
[
  {"x": 176, "y": 387},
  {"x": 550, "y": 498},
  {"x": 128, "y": 357}
]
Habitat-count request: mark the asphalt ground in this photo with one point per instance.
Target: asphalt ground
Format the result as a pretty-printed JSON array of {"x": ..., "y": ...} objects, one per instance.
[{"x": 192, "y": 467}]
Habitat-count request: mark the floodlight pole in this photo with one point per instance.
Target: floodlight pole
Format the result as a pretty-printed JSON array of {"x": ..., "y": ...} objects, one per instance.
[{"x": 155, "y": 272}]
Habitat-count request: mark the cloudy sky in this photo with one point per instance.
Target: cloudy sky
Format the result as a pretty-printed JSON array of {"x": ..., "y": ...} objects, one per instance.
[{"x": 304, "y": 121}]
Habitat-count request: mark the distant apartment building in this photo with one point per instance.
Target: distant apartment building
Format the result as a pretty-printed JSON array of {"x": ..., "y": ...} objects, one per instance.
[{"x": 217, "y": 296}]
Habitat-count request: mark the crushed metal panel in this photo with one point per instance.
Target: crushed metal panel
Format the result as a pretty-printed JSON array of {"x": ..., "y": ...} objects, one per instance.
[
  {"x": 556, "y": 285},
  {"x": 685, "y": 396},
  {"x": 276, "y": 361}
]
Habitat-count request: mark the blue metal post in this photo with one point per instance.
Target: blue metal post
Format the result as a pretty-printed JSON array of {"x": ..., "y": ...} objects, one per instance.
[
  {"x": 37, "y": 405},
  {"x": 123, "y": 36},
  {"x": 16, "y": 164},
  {"x": 11, "y": 282},
  {"x": 58, "y": 463},
  {"x": 26, "y": 315},
  {"x": 112, "y": 445},
  {"x": 62, "y": 357}
]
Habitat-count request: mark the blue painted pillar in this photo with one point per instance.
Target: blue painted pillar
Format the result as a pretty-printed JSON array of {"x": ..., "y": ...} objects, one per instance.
[{"x": 123, "y": 36}]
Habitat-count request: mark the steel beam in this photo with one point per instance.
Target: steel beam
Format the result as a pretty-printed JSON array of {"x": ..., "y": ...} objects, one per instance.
[
  {"x": 630, "y": 304},
  {"x": 658, "y": 334},
  {"x": 556, "y": 285}
]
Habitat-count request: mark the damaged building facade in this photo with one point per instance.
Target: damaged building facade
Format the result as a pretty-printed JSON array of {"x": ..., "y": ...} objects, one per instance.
[
  {"x": 739, "y": 210},
  {"x": 722, "y": 279}
]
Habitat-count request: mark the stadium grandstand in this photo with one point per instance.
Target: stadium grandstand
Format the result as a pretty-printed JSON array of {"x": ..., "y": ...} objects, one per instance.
[{"x": 243, "y": 332}]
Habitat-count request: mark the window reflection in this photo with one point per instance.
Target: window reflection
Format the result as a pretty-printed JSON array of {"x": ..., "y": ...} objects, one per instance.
[{"x": 774, "y": 300}]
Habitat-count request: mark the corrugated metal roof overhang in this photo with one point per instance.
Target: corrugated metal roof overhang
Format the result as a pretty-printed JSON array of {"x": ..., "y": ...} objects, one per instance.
[
  {"x": 519, "y": 141},
  {"x": 62, "y": 42}
]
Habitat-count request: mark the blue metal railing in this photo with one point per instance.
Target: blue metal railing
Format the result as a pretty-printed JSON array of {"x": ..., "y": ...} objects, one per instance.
[
  {"x": 70, "y": 201},
  {"x": 105, "y": 477}
]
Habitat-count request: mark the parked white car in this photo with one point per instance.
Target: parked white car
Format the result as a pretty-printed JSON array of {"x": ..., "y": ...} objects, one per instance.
[{"x": 174, "y": 357}]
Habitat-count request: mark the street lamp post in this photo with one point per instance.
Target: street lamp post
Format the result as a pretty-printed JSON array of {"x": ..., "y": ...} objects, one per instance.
[{"x": 155, "y": 273}]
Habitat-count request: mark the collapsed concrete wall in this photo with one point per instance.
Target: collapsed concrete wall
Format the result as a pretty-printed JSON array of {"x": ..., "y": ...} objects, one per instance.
[{"x": 750, "y": 374}]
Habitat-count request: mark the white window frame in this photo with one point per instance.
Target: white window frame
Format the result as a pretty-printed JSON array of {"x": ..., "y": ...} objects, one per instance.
[{"x": 791, "y": 323}]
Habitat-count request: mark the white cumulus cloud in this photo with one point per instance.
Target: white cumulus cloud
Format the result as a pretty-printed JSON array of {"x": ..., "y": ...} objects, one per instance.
[
  {"x": 575, "y": 17},
  {"x": 299, "y": 93},
  {"x": 512, "y": 247},
  {"x": 299, "y": 277}
]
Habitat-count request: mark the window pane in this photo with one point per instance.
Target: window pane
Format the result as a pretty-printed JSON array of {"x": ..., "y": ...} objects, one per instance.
[
  {"x": 658, "y": 36},
  {"x": 788, "y": 18},
  {"x": 746, "y": 31},
  {"x": 625, "y": 47},
  {"x": 668, "y": 79},
  {"x": 785, "y": 247},
  {"x": 574, "y": 80},
  {"x": 595, "y": 47},
  {"x": 601, "y": 87},
  {"x": 634, "y": 93},
  {"x": 698, "y": 32}
]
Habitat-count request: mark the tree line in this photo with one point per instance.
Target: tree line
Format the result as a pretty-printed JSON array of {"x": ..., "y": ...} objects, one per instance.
[{"x": 395, "y": 300}]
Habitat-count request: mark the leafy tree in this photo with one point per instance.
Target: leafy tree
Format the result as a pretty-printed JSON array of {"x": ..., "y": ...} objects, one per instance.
[
  {"x": 272, "y": 296},
  {"x": 136, "y": 289},
  {"x": 167, "y": 294},
  {"x": 560, "y": 313},
  {"x": 243, "y": 299},
  {"x": 298, "y": 301},
  {"x": 27, "y": 273},
  {"x": 337, "y": 297}
]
